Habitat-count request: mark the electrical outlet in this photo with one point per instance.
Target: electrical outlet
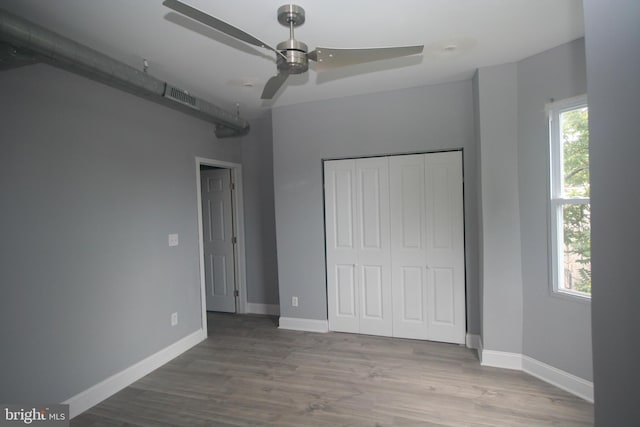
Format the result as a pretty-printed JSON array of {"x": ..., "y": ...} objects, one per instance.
[
  {"x": 173, "y": 239},
  {"x": 294, "y": 301},
  {"x": 174, "y": 318}
]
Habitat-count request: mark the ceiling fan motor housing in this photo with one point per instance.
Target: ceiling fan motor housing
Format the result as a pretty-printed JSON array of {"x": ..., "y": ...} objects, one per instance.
[{"x": 296, "y": 53}]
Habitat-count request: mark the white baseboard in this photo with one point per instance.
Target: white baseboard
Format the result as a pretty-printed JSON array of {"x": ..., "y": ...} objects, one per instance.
[
  {"x": 110, "y": 386},
  {"x": 501, "y": 359},
  {"x": 473, "y": 341},
  {"x": 309, "y": 325},
  {"x": 547, "y": 373},
  {"x": 559, "y": 378},
  {"x": 480, "y": 349},
  {"x": 256, "y": 308}
]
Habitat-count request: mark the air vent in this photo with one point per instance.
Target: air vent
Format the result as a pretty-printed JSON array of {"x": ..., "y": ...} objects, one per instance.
[{"x": 181, "y": 96}]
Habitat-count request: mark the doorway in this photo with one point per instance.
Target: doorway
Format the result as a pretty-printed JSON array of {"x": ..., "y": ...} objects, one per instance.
[{"x": 225, "y": 226}]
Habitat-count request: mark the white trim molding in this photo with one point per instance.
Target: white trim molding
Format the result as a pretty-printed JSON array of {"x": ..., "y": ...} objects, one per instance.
[
  {"x": 309, "y": 325},
  {"x": 269, "y": 309},
  {"x": 547, "y": 373},
  {"x": 501, "y": 359},
  {"x": 559, "y": 378},
  {"x": 110, "y": 386},
  {"x": 473, "y": 341}
]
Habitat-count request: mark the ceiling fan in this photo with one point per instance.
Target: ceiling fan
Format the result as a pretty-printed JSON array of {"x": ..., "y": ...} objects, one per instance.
[{"x": 292, "y": 56}]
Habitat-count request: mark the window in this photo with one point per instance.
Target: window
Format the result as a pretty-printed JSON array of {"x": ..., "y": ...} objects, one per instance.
[{"x": 570, "y": 210}]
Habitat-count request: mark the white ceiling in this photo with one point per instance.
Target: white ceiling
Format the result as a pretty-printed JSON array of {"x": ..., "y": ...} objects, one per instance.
[{"x": 225, "y": 71}]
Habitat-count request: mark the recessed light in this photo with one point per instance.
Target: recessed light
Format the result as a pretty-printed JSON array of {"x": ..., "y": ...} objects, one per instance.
[
  {"x": 451, "y": 47},
  {"x": 245, "y": 83}
]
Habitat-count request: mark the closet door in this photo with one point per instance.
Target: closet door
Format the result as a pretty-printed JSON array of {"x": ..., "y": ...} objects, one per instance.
[
  {"x": 446, "y": 317},
  {"x": 408, "y": 251},
  {"x": 427, "y": 247},
  {"x": 358, "y": 246},
  {"x": 395, "y": 246},
  {"x": 342, "y": 255},
  {"x": 373, "y": 246}
]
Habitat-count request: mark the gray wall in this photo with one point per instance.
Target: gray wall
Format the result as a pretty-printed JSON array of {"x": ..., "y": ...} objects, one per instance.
[
  {"x": 557, "y": 330},
  {"x": 413, "y": 120},
  {"x": 500, "y": 251},
  {"x": 478, "y": 185},
  {"x": 259, "y": 214},
  {"x": 613, "y": 69},
  {"x": 520, "y": 314},
  {"x": 92, "y": 181}
]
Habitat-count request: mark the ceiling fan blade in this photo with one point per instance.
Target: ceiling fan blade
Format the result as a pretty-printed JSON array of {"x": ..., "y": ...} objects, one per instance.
[
  {"x": 216, "y": 23},
  {"x": 332, "y": 58},
  {"x": 273, "y": 85}
]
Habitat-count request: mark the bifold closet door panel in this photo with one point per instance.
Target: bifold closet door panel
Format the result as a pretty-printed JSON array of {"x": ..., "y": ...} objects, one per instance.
[
  {"x": 373, "y": 245},
  {"x": 342, "y": 253},
  {"x": 408, "y": 252},
  {"x": 446, "y": 317},
  {"x": 358, "y": 246}
]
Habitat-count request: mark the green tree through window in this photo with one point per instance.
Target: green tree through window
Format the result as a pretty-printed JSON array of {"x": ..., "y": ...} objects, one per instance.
[{"x": 576, "y": 217}]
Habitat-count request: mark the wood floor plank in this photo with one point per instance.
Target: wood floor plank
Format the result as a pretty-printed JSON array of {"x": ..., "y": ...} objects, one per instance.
[{"x": 250, "y": 373}]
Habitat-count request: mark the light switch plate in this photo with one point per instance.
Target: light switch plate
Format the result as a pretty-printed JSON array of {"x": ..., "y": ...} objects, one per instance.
[{"x": 173, "y": 239}]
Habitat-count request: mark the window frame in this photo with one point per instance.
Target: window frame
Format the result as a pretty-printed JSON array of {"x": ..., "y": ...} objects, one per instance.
[{"x": 556, "y": 201}]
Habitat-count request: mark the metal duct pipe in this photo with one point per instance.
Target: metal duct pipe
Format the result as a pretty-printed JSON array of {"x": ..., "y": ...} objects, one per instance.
[{"x": 60, "y": 51}]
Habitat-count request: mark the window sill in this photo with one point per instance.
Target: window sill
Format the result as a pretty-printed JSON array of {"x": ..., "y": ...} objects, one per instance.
[{"x": 571, "y": 296}]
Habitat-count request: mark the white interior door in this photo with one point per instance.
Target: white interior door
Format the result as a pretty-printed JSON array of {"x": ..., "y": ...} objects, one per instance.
[
  {"x": 428, "y": 275},
  {"x": 342, "y": 256},
  {"x": 408, "y": 251},
  {"x": 358, "y": 246},
  {"x": 217, "y": 226},
  {"x": 395, "y": 246},
  {"x": 373, "y": 246},
  {"x": 445, "y": 247}
]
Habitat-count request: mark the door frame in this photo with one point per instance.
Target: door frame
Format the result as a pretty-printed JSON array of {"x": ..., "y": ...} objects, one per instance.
[{"x": 237, "y": 207}]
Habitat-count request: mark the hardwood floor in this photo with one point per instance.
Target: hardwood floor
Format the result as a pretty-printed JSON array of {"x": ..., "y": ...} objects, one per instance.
[{"x": 249, "y": 373}]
